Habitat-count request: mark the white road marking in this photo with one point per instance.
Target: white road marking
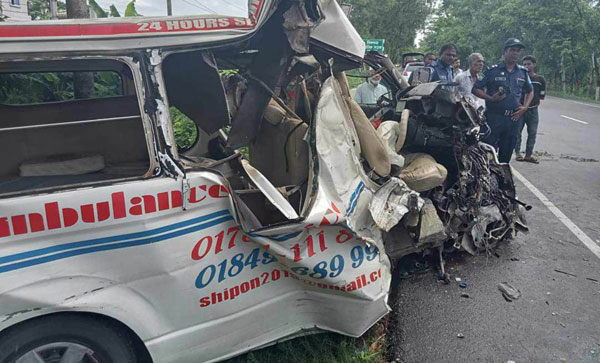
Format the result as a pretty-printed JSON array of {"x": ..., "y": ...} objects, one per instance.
[
  {"x": 584, "y": 238},
  {"x": 574, "y": 119},
  {"x": 571, "y": 101},
  {"x": 586, "y": 104}
]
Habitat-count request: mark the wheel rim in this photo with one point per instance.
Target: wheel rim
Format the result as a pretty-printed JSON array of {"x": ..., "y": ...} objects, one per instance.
[{"x": 60, "y": 352}]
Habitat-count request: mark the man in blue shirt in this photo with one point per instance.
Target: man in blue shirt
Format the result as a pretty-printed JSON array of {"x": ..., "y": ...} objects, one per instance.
[
  {"x": 442, "y": 68},
  {"x": 501, "y": 87}
]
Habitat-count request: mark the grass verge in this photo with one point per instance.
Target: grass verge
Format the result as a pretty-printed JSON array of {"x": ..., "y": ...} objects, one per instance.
[
  {"x": 571, "y": 97},
  {"x": 324, "y": 348}
]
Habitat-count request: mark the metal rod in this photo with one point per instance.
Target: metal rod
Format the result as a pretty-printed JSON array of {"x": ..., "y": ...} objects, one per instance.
[
  {"x": 275, "y": 97},
  {"x": 69, "y": 123}
]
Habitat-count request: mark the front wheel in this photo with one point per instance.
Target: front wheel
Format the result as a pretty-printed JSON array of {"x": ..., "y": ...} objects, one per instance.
[{"x": 66, "y": 338}]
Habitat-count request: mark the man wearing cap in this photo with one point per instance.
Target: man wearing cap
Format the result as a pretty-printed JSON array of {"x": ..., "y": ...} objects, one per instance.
[{"x": 502, "y": 86}]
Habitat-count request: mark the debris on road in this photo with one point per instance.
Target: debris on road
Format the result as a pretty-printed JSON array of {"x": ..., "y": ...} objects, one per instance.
[
  {"x": 509, "y": 293},
  {"x": 578, "y": 159},
  {"x": 565, "y": 273},
  {"x": 465, "y": 295},
  {"x": 460, "y": 335},
  {"x": 462, "y": 285}
]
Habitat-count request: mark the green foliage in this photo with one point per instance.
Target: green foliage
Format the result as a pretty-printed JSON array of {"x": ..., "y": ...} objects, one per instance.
[
  {"x": 185, "y": 129},
  {"x": 357, "y": 76},
  {"x": 98, "y": 9},
  {"x": 552, "y": 30},
  {"x": 323, "y": 348},
  {"x": 130, "y": 10},
  {"x": 30, "y": 88},
  {"x": 396, "y": 21},
  {"x": 107, "y": 84},
  {"x": 40, "y": 9},
  {"x": 114, "y": 13}
]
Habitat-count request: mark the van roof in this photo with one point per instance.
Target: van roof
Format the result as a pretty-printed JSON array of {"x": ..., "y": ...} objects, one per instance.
[
  {"x": 114, "y": 35},
  {"x": 117, "y": 34}
]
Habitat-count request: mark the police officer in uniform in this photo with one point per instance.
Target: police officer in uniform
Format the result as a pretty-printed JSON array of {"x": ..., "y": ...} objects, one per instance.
[{"x": 501, "y": 87}]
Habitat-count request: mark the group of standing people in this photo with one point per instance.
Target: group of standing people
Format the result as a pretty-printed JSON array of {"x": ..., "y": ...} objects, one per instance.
[{"x": 510, "y": 92}]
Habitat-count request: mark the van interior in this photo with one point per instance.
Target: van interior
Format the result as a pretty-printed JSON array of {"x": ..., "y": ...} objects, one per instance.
[{"x": 69, "y": 122}]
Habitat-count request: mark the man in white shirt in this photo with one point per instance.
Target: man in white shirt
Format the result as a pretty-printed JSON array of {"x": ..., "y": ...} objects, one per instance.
[
  {"x": 369, "y": 92},
  {"x": 466, "y": 79}
]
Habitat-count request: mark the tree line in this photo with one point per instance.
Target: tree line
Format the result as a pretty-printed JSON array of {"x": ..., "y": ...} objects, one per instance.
[{"x": 564, "y": 35}]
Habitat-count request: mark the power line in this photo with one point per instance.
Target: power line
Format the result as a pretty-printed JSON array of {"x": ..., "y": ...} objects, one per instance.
[
  {"x": 234, "y": 5},
  {"x": 199, "y": 6},
  {"x": 205, "y": 6}
]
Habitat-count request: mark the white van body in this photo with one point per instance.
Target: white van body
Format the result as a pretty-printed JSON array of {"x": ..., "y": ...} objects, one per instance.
[{"x": 171, "y": 254}]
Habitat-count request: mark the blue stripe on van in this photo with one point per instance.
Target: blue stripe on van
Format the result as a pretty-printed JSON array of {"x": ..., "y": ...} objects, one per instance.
[
  {"x": 98, "y": 241},
  {"x": 354, "y": 198},
  {"x": 114, "y": 246}
]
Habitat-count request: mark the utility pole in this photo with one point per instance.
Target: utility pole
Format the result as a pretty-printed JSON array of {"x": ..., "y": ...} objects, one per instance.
[
  {"x": 77, "y": 9},
  {"x": 83, "y": 81},
  {"x": 563, "y": 75},
  {"x": 53, "y": 10},
  {"x": 169, "y": 8},
  {"x": 597, "y": 76}
]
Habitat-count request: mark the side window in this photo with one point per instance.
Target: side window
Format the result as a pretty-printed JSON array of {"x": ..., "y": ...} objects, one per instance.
[
  {"x": 65, "y": 128},
  {"x": 197, "y": 100},
  {"x": 185, "y": 129},
  {"x": 33, "y": 88}
]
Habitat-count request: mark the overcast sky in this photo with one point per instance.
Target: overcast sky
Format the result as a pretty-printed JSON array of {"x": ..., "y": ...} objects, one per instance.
[{"x": 182, "y": 7}]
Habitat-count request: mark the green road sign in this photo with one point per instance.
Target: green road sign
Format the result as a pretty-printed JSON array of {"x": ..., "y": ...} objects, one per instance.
[{"x": 377, "y": 45}]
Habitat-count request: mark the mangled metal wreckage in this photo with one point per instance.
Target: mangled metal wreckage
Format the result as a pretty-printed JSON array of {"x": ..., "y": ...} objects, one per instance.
[
  {"x": 274, "y": 222},
  {"x": 433, "y": 137}
]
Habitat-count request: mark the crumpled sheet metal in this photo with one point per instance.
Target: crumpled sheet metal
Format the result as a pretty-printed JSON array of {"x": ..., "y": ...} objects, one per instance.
[
  {"x": 391, "y": 203},
  {"x": 341, "y": 177},
  {"x": 432, "y": 231},
  {"x": 298, "y": 26},
  {"x": 424, "y": 89}
]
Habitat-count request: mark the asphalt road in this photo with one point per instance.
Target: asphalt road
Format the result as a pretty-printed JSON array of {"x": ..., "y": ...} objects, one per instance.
[{"x": 557, "y": 318}]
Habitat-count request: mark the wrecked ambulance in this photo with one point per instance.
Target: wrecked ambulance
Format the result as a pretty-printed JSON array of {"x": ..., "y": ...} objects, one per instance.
[
  {"x": 119, "y": 245},
  {"x": 191, "y": 188},
  {"x": 433, "y": 136}
]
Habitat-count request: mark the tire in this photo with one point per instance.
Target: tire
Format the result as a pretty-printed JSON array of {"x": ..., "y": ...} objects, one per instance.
[{"x": 54, "y": 337}]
